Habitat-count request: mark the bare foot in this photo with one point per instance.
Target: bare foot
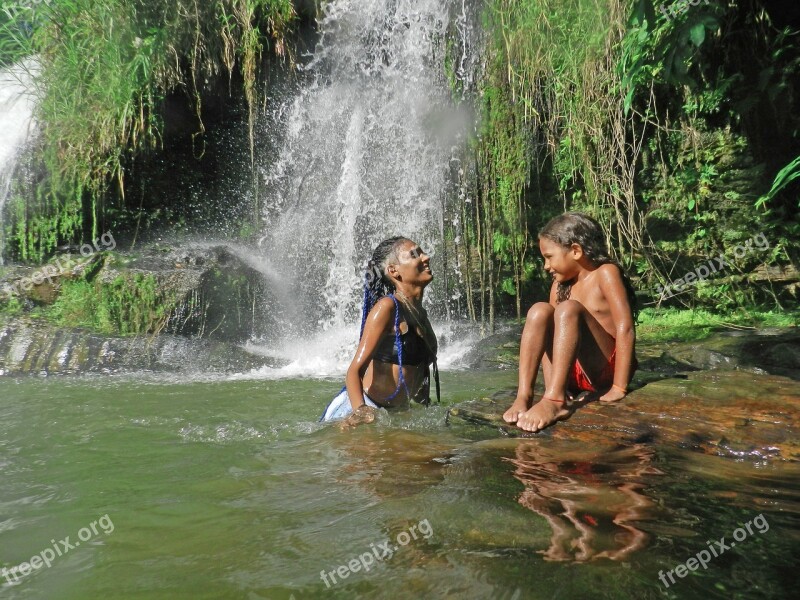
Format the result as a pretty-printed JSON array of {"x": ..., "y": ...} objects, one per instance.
[
  {"x": 613, "y": 395},
  {"x": 517, "y": 409},
  {"x": 543, "y": 414}
]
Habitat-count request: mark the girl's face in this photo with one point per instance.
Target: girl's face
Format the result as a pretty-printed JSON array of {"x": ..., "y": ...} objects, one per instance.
[
  {"x": 413, "y": 265},
  {"x": 560, "y": 262}
]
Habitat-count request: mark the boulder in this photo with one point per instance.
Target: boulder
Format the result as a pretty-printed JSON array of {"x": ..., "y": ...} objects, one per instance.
[{"x": 196, "y": 291}]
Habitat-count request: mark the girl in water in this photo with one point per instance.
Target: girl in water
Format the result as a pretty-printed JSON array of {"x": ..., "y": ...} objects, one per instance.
[
  {"x": 584, "y": 336},
  {"x": 397, "y": 344}
]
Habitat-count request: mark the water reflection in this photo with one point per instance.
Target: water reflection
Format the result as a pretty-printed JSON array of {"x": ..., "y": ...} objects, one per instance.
[
  {"x": 591, "y": 500},
  {"x": 391, "y": 463}
]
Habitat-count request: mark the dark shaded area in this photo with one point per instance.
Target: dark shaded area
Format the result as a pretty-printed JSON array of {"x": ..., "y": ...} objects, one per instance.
[
  {"x": 203, "y": 179},
  {"x": 783, "y": 13}
]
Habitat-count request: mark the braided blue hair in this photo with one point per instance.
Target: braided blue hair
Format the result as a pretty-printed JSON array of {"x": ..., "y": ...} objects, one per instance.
[
  {"x": 376, "y": 286},
  {"x": 376, "y": 283}
]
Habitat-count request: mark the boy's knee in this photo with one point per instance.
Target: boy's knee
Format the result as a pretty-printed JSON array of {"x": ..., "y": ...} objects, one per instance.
[
  {"x": 540, "y": 311},
  {"x": 568, "y": 309}
]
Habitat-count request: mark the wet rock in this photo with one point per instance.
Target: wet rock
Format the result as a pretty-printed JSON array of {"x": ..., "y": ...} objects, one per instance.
[
  {"x": 770, "y": 350},
  {"x": 775, "y": 351},
  {"x": 500, "y": 350},
  {"x": 739, "y": 414},
  {"x": 29, "y": 346}
]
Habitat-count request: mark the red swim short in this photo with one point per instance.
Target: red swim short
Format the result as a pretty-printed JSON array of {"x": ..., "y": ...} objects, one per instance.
[{"x": 579, "y": 381}]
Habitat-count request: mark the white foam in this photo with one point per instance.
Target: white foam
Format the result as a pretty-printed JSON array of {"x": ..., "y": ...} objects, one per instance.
[
  {"x": 328, "y": 354},
  {"x": 361, "y": 155}
]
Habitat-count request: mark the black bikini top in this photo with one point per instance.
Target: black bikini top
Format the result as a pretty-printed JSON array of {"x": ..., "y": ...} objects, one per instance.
[{"x": 415, "y": 351}]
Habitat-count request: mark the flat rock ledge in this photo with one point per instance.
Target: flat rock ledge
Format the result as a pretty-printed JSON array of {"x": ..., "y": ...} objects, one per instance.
[{"x": 734, "y": 413}]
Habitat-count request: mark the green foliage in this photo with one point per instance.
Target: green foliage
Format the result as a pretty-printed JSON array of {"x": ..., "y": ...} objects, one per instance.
[
  {"x": 783, "y": 179},
  {"x": 659, "y": 46},
  {"x": 662, "y": 127},
  {"x": 530, "y": 97},
  {"x": 131, "y": 304},
  {"x": 665, "y": 325},
  {"x": 106, "y": 66},
  {"x": 11, "y": 307}
]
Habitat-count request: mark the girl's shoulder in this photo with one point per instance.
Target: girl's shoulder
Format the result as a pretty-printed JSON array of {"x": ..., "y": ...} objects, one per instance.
[
  {"x": 384, "y": 302},
  {"x": 384, "y": 305}
]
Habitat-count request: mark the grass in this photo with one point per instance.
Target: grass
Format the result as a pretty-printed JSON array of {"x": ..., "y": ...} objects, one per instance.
[
  {"x": 130, "y": 305},
  {"x": 671, "y": 324},
  {"x": 133, "y": 303}
]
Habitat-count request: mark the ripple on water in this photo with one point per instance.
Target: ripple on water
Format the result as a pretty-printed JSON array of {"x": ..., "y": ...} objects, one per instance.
[{"x": 235, "y": 431}]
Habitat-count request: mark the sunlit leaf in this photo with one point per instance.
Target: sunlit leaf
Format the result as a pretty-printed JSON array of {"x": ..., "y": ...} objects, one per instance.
[{"x": 698, "y": 34}]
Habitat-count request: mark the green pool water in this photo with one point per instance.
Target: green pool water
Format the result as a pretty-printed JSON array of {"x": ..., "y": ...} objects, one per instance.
[{"x": 231, "y": 489}]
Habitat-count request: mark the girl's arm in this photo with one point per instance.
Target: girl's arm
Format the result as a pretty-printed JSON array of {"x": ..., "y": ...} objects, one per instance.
[
  {"x": 379, "y": 322},
  {"x": 614, "y": 291}
]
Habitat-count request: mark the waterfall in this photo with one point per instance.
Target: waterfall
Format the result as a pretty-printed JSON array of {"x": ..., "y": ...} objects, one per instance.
[
  {"x": 365, "y": 152},
  {"x": 17, "y": 103}
]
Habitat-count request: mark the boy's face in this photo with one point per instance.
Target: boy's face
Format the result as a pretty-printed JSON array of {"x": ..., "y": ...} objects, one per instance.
[{"x": 560, "y": 262}]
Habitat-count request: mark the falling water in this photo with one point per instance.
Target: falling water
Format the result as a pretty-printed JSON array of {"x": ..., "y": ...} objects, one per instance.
[
  {"x": 16, "y": 124},
  {"x": 366, "y": 152}
]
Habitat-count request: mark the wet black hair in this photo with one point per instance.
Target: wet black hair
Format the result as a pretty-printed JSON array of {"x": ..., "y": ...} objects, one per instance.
[
  {"x": 578, "y": 228},
  {"x": 377, "y": 283}
]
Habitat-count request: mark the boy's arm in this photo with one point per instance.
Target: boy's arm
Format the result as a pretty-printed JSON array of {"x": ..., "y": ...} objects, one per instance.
[
  {"x": 379, "y": 320},
  {"x": 614, "y": 291}
]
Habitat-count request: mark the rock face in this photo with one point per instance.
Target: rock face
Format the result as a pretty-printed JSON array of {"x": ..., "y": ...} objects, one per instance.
[
  {"x": 775, "y": 351},
  {"x": 37, "y": 348},
  {"x": 731, "y": 395},
  {"x": 188, "y": 308},
  {"x": 213, "y": 293},
  {"x": 770, "y": 350},
  {"x": 200, "y": 291}
]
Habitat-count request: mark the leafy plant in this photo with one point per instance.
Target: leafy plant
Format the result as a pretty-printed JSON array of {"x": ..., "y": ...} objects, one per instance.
[
  {"x": 783, "y": 179},
  {"x": 105, "y": 67},
  {"x": 658, "y": 45}
]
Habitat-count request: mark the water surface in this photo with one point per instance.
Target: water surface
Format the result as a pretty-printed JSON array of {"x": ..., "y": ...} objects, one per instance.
[{"x": 231, "y": 489}]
